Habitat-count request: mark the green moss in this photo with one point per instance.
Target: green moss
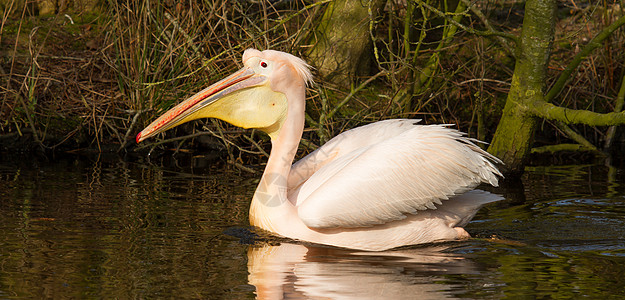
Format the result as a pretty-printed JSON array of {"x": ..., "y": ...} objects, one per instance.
[{"x": 515, "y": 132}]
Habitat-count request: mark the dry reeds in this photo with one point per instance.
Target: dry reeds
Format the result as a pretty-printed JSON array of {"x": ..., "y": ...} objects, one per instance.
[{"x": 93, "y": 77}]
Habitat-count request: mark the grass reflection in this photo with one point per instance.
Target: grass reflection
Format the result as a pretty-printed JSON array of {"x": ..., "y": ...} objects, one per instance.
[{"x": 109, "y": 228}]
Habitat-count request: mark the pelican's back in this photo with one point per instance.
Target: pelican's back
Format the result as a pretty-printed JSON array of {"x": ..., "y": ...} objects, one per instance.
[{"x": 384, "y": 171}]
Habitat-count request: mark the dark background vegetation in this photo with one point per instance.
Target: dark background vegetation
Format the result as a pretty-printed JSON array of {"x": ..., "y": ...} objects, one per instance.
[{"x": 89, "y": 75}]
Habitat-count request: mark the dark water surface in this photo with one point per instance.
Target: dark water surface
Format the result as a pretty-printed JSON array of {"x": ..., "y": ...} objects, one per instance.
[{"x": 107, "y": 228}]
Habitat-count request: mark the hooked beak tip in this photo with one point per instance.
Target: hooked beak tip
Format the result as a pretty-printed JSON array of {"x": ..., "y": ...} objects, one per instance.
[{"x": 138, "y": 138}]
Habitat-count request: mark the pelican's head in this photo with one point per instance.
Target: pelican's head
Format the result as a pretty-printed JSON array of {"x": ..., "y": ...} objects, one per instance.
[{"x": 255, "y": 96}]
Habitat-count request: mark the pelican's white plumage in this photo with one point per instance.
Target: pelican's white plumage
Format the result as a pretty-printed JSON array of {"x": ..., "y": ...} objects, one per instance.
[
  {"x": 388, "y": 187},
  {"x": 380, "y": 186}
]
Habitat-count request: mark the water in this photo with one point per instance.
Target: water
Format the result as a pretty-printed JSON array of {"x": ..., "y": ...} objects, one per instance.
[{"x": 94, "y": 227}]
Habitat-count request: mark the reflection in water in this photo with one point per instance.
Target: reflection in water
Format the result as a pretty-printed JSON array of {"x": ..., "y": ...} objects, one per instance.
[
  {"x": 294, "y": 271},
  {"x": 75, "y": 228},
  {"x": 110, "y": 228}
]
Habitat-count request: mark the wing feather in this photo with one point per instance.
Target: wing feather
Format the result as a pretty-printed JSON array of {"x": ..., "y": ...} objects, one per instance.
[
  {"x": 383, "y": 181},
  {"x": 342, "y": 144}
]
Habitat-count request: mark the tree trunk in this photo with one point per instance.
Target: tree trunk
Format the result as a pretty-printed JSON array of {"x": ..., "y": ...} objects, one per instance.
[
  {"x": 342, "y": 40},
  {"x": 515, "y": 133}
]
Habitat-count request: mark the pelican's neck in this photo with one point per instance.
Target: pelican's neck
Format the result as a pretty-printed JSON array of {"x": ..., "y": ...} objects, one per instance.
[{"x": 270, "y": 199}]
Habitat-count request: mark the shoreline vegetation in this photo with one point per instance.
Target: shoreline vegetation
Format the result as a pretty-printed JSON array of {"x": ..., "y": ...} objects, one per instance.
[{"x": 88, "y": 75}]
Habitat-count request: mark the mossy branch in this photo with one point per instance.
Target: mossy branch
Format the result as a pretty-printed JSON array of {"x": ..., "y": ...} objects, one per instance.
[
  {"x": 577, "y": 137},
  {"x": 552, "y": 112},
  {"x": 565, "y": 116},
  {"x": 551, "y": 149},
  {"x": 595, "y": 43}
]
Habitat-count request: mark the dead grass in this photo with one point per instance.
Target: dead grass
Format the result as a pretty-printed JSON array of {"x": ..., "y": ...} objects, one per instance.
[{"x": 92, "y": 78}]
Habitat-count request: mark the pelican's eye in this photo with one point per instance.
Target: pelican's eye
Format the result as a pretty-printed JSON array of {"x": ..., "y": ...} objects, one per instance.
[{"x": 263, "y": 64}]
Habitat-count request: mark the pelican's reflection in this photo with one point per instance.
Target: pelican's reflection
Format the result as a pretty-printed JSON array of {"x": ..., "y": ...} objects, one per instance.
[{"x": 293, "y": 271}]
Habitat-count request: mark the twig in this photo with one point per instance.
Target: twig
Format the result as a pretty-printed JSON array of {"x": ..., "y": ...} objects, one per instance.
[
  {"x": 249, "y": 139},
  {"x": 352, "y": 93},
  {"x": 618, "y": 106},
  {"x": 154, "y": 144},
  {"x": 465, "y": 28},
  {"x": 577, "y": 137},
  {"x": 592, "y": 45},
  {"x": 132, "y": 125},
  {"x": 484, "y": 79},
  {"x": 486, "y": 23},
  {"x": 323, "y": 117}
]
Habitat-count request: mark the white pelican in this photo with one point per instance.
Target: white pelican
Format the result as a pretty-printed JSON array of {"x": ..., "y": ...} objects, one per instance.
[{"x": 380, "y": 186}]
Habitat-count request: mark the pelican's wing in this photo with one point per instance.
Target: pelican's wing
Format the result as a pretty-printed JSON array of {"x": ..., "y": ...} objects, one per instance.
[
  {"x": 345, "y": 143},
  {"x": 384, "y": 181}
]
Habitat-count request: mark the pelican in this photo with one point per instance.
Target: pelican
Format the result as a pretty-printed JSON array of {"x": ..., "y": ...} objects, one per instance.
[{"x": 380, "y": 186}]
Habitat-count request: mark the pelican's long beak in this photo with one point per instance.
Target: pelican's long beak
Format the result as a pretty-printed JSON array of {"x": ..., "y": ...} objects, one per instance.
[{"x": 192, "y": 108}]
